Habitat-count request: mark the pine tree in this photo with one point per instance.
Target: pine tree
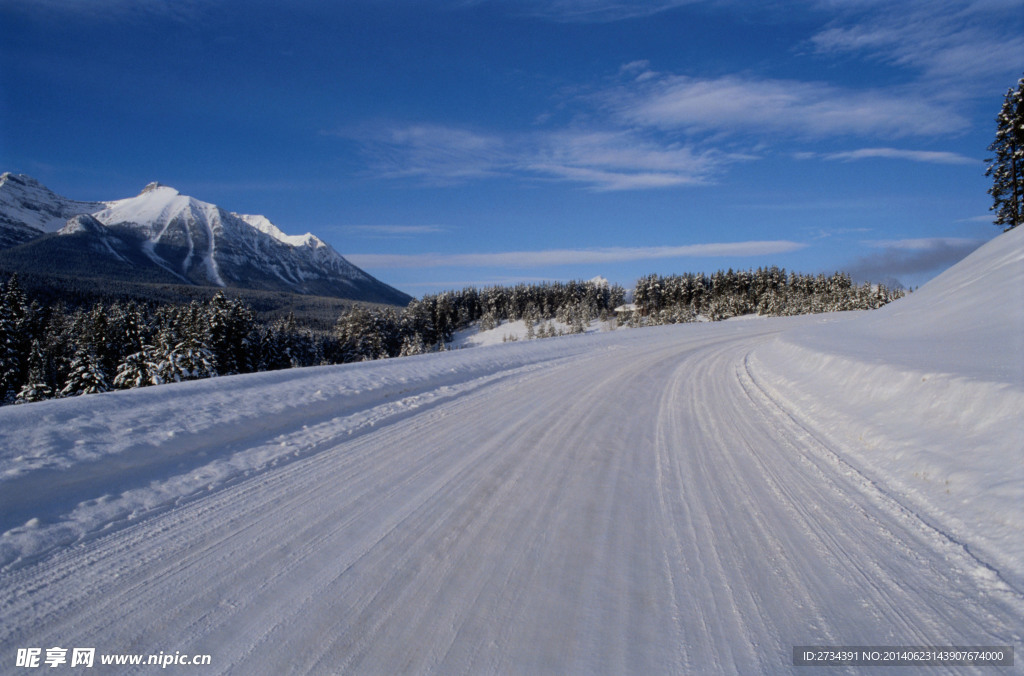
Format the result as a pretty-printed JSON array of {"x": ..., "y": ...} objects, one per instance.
[
  {"x": 85, "y": 377},
  {"x": 138, "y": 369},
  {"x": 1006, "y": 167},
  {"x": 231, "y": 325},
  {"x": 488, "y": 321},
  {"x": 189, "y": 359},
  {"x": 35, "y": 388},
  {"x": 413, "y": 344},
  {"x": 577, "y": 320},
  {"x": 14, "y": 339},
  {"x": 364, "y": 335}
]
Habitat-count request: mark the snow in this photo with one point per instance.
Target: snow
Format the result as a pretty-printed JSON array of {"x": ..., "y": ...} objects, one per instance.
[
  {"x": 512, "y": 331},
  {"x": 26, "y": 202},
  {"x": 155, "y": 208},
  {"x": 263, "y": 224},
  {"x": 696, "y": 498},
  {"x": 224, "y": 247},
  {"x": 932, "y": 388}
]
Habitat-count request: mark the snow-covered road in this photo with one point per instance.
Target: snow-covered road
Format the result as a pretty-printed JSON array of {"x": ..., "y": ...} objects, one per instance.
[{"x": 637, "y": 504}]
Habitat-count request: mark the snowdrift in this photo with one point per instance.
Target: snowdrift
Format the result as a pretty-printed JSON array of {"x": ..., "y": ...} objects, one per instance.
[{"x": 925, "y": 396}]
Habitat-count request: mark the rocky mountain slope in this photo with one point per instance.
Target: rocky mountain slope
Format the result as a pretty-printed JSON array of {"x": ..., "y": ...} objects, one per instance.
[{"x": 162, "y": 236}]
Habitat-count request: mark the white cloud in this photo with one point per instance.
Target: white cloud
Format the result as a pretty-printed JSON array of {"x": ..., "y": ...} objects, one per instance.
[
  {"x": 622, "y": 161},
  {"x": 737, "y": 104},
  {"x": 437, "y": 154},
  {"x": 392, "y": 230},
  {"x": 958, "y": 40},
  {"x": 600, "y": 160},
  {"x": 520, "y": 259},
  {"x": 929, "y": 156}
]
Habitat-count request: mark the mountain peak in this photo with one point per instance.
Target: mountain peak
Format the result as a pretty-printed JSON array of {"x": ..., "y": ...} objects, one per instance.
[
  {"x": 29, "y": 206},
  {"x": 19, "y": 179},
  {"x": 156, "y": 185},
  {"x": 162, "y": 234}
]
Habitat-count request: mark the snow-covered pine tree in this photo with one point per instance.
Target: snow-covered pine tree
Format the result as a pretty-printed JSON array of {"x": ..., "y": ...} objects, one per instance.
[
  {"x": 10, "y": 360},
  {"x": 443, "y": 321},
  {"x": 231, "y": 325},
  {"x": 188, "y": 359},
  {"x": 85, "y": 375},
  {"x": 14, "y": 339},
  {"x": 361, "y": 335},
  {"x": 273, "y": 353},
  {"x": 97, "y": 333},
  {"x": 577, "y": 319},
  {"x": 413, "y": 344},
  {"x": 1006, "y": 167},
  {"x": 488, "y": 321},
  {"x": 138, "y": 369},
  {"x": 35, "y": 388}
]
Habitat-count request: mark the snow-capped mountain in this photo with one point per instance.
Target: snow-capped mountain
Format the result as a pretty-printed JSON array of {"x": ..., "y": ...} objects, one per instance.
[
  {"x": 163, "y": 236},
  {"x": 28, "y": 209}
]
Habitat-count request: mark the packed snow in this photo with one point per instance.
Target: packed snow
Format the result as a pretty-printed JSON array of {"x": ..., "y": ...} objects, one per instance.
[
  {"x": 926, "y": 394},
  {"x": 696, "y": 498}
]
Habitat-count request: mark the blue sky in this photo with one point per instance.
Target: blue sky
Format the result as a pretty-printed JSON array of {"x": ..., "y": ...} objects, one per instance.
[{"x": 444, "y": 143}]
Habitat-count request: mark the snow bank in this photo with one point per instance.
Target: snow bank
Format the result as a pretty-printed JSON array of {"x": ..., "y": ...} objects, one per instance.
[
  {"x": 511, "y": 331},
  {"x": 925, "y": 396}
]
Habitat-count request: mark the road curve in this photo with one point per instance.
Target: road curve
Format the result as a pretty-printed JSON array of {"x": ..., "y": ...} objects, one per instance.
[{"x": 652, "y": 511}]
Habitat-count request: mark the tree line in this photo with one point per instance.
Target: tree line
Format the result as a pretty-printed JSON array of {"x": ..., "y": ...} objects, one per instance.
[
  {"x": 50, "y": 350},
  {"x": 765, "y": 291}
]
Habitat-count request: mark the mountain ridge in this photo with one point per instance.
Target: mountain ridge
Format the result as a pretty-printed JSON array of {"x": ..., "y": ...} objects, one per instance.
[{"x": 163, "y": 236}]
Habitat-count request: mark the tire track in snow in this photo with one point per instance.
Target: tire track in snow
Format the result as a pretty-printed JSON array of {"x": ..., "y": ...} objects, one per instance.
[{"x": 626, "y": 512}]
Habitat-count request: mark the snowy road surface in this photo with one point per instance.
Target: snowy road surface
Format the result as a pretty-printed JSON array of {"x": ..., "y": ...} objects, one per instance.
[{"x": 632, "y": 502}]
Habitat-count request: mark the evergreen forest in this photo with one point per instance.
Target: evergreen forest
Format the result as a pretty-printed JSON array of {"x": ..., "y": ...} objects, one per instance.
[{"x": 50, "y": 349}]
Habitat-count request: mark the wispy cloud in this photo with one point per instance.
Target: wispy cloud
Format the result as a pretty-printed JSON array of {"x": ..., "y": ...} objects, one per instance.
[
  {"x": 391, "y": 230},
  {"x": 987, "y": 219},
  {"x": 647, "y": 129},
  {"x": 928, "y": 156},
  {"x": 623, "y": 161},
  {"x": 941, "y": 39},
  {"x": 737, "y": 104},
  {"x": 435, "y": 154},
  {"x": 553, "y": 257},
  {"x": 635, "y": 144},
  {"x": 600, "y": 160}
]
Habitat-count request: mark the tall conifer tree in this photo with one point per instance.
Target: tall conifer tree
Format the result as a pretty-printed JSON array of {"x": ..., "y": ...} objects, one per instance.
[{"x": 1006, "y": 167}]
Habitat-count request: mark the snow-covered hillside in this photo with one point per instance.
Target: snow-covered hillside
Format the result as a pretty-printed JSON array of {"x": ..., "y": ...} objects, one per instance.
[
  {"x": 696, "y": 498},
  {"x": 926, "y": 395},
  {"x": 28, "y": 208},
  {"x": 180, "y": 238}
]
